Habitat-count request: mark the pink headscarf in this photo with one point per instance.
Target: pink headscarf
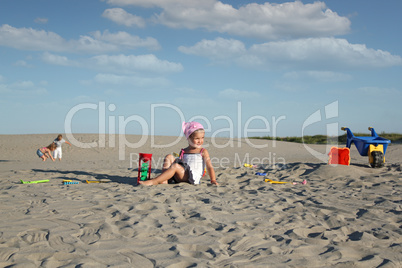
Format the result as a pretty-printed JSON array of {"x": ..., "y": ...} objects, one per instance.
[{"x": 190, "y": 127}]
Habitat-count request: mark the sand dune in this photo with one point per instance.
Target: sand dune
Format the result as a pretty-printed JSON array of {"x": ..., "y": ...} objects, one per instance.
[{"x": 345, "y": 216}]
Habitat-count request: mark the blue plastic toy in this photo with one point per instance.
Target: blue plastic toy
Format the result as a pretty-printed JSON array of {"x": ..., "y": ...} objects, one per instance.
[
  {"x": 65, "y": 182},
  {"x": 372, "y": 146}
]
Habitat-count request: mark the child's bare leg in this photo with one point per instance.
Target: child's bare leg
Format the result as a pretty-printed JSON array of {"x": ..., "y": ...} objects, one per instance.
[
  {"x": 168, "y": 161},
  {"x": 175, "y": 170}
]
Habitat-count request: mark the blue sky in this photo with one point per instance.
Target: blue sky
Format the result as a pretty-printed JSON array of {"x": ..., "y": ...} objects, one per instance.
[{"x": 141, "y": 66}]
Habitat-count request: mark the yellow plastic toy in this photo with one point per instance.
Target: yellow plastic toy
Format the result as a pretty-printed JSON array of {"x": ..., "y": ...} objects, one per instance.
[
  {"x": 250, "y": 166},
  {"x": 283, "y": 182},
  {"x": 373, "y": 148},
  {"x": 101, "y": 181}
]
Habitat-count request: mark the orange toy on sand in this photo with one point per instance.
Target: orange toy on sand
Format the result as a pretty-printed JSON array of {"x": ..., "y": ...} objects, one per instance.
[{"x": 339, "y": 156}]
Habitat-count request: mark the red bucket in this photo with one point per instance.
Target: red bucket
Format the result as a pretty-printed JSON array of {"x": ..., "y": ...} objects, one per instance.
[
  {"x": 144, "y": 158},
  {"x": 339, "y": 156}
]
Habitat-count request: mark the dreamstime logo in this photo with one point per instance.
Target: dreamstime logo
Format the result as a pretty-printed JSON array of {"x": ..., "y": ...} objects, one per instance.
[
  {"x": 330, "y": 111},
  {"x": 148, "y": 128}
]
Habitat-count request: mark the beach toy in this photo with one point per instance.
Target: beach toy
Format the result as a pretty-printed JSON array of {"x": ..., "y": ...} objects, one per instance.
[
  {"x": 304, "y": 182},
  {"x": 339, "y": 156},
  {"x": 96, "y": 181},
  {"x": 372, "y": 146},
  {"x": 28, "y": 182},
  {"x": 275, "y": 182},
  {"x": 260, "y": 174},
  {"x": 71, "y": 182},
  {"x": 92, "y": 181},
  {"x": 251, "y": 166},
  {"x": 144, "y": 167},
  {"x": 65, "y": 182}
]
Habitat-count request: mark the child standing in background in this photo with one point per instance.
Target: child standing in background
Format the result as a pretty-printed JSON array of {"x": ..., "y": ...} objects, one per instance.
[
  {"x": 46, "y": 152},
  {"x": 58, "y": 142},
  {"x": 193, "y": 159}
]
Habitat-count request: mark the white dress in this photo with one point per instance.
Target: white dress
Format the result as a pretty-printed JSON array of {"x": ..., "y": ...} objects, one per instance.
[{"x": 196, "y": 165}]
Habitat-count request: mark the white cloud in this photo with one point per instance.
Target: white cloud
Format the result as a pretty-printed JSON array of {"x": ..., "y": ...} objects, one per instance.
[
  {"x": 131, "y": 63},
  {"x": 22, "y": 63},
  {"x": 217, "y": 49},
  {"x": 235, "y": 94},
  {"x": 40, "y": 40},
  {"x": 133, "y": 82},
  {"x": 120, "y": 16},
  {"x": 268, "y": 21},
  {"x": 310, "y": 53},
  {"x": 30, "y": 39},
  {"x": 122, "y": 64},
  {"x": 57, "y": 60},
  {"x": 323, "y": 52},
  {"x": 126, "y": 40},
  {"x": 22, "y": 87},
  {"x": 41, "y": 20},
  {"x": 324, "y": 76}
]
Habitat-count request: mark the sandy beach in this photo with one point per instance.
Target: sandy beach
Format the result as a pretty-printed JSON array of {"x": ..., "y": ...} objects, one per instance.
[{"x": 345, "y": 216}]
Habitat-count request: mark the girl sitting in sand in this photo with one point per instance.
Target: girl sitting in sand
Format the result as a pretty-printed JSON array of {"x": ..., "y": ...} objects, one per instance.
[
  {"x": 46, "y": 152},
  {"x": 190, "y": 166}
]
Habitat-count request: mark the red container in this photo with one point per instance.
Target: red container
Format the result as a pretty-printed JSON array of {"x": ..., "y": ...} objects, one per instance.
[{"x": 339, "y": 156}]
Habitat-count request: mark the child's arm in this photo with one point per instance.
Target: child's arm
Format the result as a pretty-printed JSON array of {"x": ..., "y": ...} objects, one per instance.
[
  {"x": 50, "y": 154},
  {"x": 210, "y": 168}
]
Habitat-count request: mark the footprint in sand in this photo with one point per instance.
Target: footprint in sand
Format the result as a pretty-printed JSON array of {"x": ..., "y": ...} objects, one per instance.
[
  {"x": 90, "y": 235},
  {"x": 136, "y": 259},
  {"x": 36, "y": 204},
  {"x": 355, "y": 236},
  {"x": 34, "y": 236},
  {"x": 58, "y": 243},
  {"x": 196, "y": 251},
  {"x": 6, "y": 253},
  {"x": 244, "y": 244}
]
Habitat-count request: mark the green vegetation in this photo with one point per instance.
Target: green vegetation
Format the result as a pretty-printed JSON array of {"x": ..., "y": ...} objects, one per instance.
[{"x": 323, "y": 139}]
